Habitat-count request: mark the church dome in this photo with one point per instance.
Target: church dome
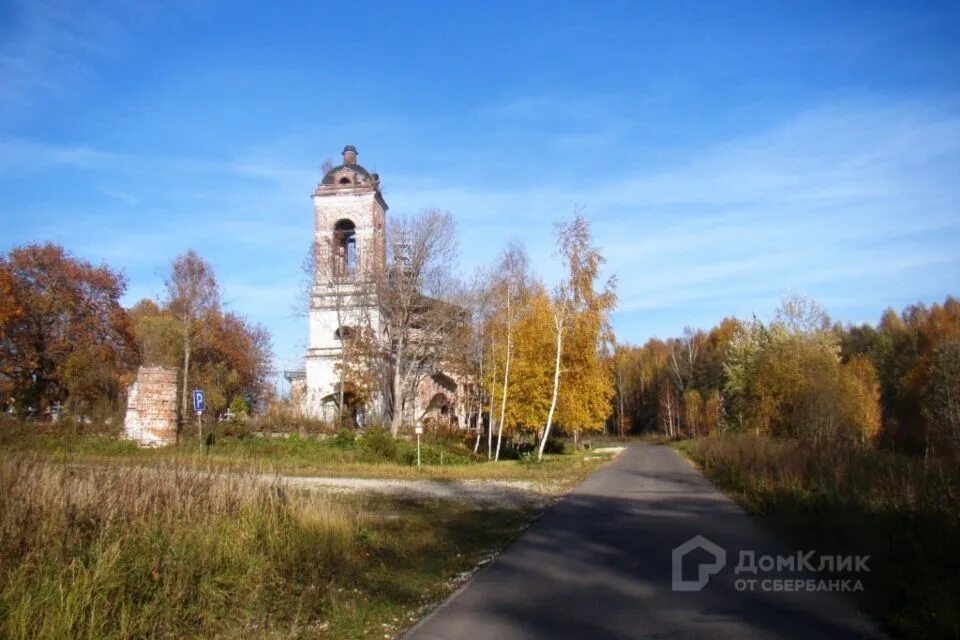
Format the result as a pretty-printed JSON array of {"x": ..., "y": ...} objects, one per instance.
[{"x": 349, "y": 173}]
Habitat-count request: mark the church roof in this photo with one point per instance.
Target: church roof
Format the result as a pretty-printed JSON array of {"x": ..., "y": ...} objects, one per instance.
[
  {"x": 349, "y": 171},
  {"x": 360, "y": 171}
]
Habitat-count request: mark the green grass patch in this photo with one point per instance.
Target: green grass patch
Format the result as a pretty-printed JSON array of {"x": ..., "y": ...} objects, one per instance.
[
  {"x": 373, "y": 454},
  {"x": 902, "y": 512}
]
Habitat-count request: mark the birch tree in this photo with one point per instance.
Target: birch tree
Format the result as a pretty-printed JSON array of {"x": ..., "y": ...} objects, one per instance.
[
  {"x": 586, "y": 383},
  {"x": 561, "y": 301},
  {"x": 510, "y": 288},
  {"x": 192, "y": 293},
  {"x": 480, "y": 294}
]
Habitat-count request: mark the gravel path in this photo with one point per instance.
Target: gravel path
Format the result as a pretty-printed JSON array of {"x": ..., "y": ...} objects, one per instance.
[{"x": 483, "y": 493}]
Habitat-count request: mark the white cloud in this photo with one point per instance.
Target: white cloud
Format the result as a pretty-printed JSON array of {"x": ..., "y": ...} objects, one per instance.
[{"x": 117, "y": 194}]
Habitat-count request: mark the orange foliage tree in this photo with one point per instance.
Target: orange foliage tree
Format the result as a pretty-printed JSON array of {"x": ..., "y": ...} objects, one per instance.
[
  {"x": 230, "y": 357},
  {"x": 64, "y": 337}
]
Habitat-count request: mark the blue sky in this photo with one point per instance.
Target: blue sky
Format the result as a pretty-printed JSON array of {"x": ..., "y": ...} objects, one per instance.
[{"x": 728, "y": 154}]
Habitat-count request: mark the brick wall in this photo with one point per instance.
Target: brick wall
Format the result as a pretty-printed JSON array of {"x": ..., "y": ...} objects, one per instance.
[{"x": 151, "y": 418}]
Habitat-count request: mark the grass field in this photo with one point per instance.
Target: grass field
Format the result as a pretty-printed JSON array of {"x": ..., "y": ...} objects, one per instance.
[
  {"x": 372, "y": 455},
  {"x": 95, "y": 542},
  {"x": 125, "y": 553},
  {"x": 903, "y": 513}
]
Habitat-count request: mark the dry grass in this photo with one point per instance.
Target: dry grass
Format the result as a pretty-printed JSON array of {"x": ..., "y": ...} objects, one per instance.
[
  {"x": 902, "y": 512},
  {"x": 868, "y": 478},
  {"x": 100, "y": 539},
  {"x": 128, "y": 553}
]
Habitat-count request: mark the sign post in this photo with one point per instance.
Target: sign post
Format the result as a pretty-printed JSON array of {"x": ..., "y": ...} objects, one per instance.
[
  {"x": 199, "y": 404},
  {"x": 418, "y": 431}
]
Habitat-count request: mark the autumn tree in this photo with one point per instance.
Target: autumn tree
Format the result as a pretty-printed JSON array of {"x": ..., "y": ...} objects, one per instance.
[
  {"x": 713, "y": 411},
  {"x": 619, "y": 361},
  {"x": 902, "y": 349},
  {"x": 527, "y": 397},
  {"x": 11, "y": 310},
  {"x": 669, "y": 408},
  {"x": 63, "y": 334},
  {"x": 788, "y": 379},
  {"x": 234, "y": 360},
  {"x": 230, "y": 357},
  {"x": 510, "y": 295},
  {"x": 684, "y": 353},
  {"x": 192, "y": 295},
  {"x": 693, "y": 407},
  {"x": 583, "y": 312},
  {"x": 416, "y": 298},
  {"x": 637, "y": 372},
  {"x": 802, "y": 376},
  {"x": 941, "y": 397},
  {"x": 474, "y": 356},
  {"x": 159, "y": 334}
]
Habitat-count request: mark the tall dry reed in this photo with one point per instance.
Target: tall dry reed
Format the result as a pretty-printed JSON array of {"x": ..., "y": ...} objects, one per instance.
[{"x": 169, "y": 552}]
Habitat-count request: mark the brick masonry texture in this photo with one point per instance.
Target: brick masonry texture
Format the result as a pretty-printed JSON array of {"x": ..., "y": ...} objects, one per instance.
[{"x": 151, "y": 418}]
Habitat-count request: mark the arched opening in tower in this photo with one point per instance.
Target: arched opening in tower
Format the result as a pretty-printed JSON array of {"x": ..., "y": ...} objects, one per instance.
[{"x": 345, "y": 247}]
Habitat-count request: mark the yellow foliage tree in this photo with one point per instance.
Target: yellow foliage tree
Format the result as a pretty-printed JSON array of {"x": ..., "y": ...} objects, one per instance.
[
  {"x": 693, "y": 412},
  {"x": 584, "y": 387},
  {"x": 584, "y": 401},
  {"x": 531, "y": 369},
  {"x": 788, "y": 380},
  {"x": 863, "y": 392},
  {"x": 712, "y": 411}
]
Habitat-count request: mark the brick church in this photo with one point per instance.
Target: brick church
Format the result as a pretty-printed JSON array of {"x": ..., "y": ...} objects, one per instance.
[{"x": 350, "y": 222}]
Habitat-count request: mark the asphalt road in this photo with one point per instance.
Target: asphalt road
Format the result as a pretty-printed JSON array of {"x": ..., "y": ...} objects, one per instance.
[{"x": 597, "y": 566}]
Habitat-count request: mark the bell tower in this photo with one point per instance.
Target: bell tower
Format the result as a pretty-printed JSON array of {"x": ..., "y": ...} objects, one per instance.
[{"x": 350, "y": 246}]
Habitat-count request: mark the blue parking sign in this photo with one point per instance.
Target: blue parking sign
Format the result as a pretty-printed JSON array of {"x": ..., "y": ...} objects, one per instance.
[{"x": 198, "y": 401}]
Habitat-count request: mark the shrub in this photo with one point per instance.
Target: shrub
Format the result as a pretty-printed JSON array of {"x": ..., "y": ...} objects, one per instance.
[
  {"x": 379, "y": 444},
  {"x": 239, "y": 408},
  {"x": 555, "y": 445},
  {"x": 528, "y": 458},
  {"x": 345, "y": 439},
  {"x": 281, "y": 419}
]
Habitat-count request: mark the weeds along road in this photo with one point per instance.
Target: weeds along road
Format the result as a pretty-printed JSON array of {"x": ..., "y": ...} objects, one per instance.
[
  {"x": 482, "y": 494},
  {"x": 598, "y": 566}
]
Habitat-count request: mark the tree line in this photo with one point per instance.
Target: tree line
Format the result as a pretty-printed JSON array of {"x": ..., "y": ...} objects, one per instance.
[
  {"x": 68, "y": 346},
  {"x": 896, "y": 384},
  {"x": 532, "y": 360}
]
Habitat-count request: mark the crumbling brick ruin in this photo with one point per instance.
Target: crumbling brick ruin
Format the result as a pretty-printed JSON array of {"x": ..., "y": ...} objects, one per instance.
[{"x": 151, "y": 418}]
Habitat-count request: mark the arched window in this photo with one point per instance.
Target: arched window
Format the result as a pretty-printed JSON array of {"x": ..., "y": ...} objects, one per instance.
[
  {"x": 345, "y": 180},
  {"x": 344, "y": 247}
]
